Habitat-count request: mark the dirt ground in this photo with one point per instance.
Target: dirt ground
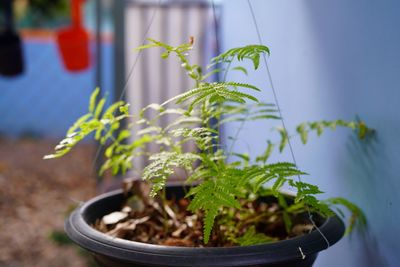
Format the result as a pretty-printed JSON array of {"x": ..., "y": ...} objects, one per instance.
[{"x": 35, "y": 195}]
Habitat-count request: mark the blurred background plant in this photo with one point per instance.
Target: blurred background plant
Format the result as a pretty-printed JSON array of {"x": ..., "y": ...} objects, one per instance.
[{"x": 40, "y": 13}]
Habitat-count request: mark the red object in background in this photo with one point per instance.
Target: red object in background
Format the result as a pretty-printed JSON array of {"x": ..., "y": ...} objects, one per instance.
[{"x": 73, "y": 42}]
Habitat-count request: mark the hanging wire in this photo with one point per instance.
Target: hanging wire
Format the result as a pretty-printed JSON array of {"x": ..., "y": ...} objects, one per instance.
[
  {"x": 130, "y": 74},
  {"x": 280, "y": 114},
  {"x": 216, "y": 27},
  {"x": 217, "y": 51},
  {"x": 138, "y": 56}
]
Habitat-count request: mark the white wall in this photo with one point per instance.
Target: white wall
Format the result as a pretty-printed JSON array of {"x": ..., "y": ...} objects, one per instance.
[{"x": 335, "y": 59}]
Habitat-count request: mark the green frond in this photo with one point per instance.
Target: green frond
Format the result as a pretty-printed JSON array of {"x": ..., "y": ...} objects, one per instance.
[
  {"x": 240, "y": 112},
  {"x": 119, "y": 156},
  {"x": 285, "y": 215},
  {"x": 357, "y": 217},
  {"x": 87, "y": 124},
  {"x": 217, "y": 91},
  {"x": 150, "y": 129},
  {"x": 306, "y": 188},
  {"x": 203, "y": 137},
  {"x": 124, "y": 109},
  {"x": 242, "y": 69},
  {"x": 306, "y": 195},
  {"x": 183, "y": 121},
  {"x": 211, "y": 196},
  {"x": 99, "y": 108},
  {"x": 244, "y": 157},
  {"x": 78, "y": 123},
  {"x": 200, "y": 174},
  {"x": 305, "y": 128},
  {"x": 93, "y": 98},
  {"x": 185, "y": 96},
  {"x": 215, "y": 71},
  {"x": 209, "y": 219},
  {"x": 243, "y": 85},
  {"x": 155, "y": 43},
  {"x": 251, "y": 237},
  {"x": 117, "y": 163},
  {"x": 234, "y": 95},
  {"x": 284, "y": 139},
  {"x": 267, "y": 153},
  {"x": 153, "y": 106},
  {"x": 109, "y": 113},
  {"x": 163, "y": 165},
  {"x": 251, "y": 52},
  {"x": 281, "y": 172},
  {"x": 301, "y": 129}
]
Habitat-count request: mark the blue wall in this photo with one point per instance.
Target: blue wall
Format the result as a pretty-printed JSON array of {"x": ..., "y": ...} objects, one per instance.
[
  {"x": 335, "y": 59},
  {"x": 46, "y": 99}
]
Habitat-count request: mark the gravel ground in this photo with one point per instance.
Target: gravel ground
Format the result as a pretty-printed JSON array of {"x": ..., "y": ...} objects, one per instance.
[{"x": 34, "y": 196}]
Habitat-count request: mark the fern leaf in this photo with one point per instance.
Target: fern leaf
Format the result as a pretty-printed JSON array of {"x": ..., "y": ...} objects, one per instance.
[
  {"x": 109, "y": 113},
  {"x": 93, "y": 98},
  {"x": 319, "y": 126},
  {"x": 209, "y": 219},
  {"x": 150, "y": 129},
  {"x": 240, "y": 68},
  {"x": 203, "y": 137},
  {"x": 163, "y": 165},
  {"x": 357, "y": 217},
  {"x": 200, "y": 174},
  {"x": 301, "y": 129},
  {"x": 284, "y": 139},
  {"x": 208, "y": 90},
  {"x": 78, "y": 124},
  {"x": 267, "y": 153},
  {"x": 212, "y": 195},
  {"x": 251, "y": 52},
  {"x": 243, "y": 85},
  {"x": 235, "y": 95},
  {"x": 99, "y": 108},
  {"x": 184, "y": 120},
  {"x": 215, "y": 71},
  {"x": 251, "y": 237}
]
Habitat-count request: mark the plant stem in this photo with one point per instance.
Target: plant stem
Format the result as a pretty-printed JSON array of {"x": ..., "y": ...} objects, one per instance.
[{"x": 163, "y": 203}]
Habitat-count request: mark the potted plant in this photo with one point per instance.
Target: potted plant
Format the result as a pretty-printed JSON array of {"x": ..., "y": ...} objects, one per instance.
[{"x": 233, "y": 210}]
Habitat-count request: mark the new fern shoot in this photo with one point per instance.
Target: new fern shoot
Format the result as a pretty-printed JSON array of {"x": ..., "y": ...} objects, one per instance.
[{"x": 220, "y": 187}]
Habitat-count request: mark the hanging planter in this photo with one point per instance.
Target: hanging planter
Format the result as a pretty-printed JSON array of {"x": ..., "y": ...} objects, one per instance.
[
  {"x": 115, "y": 252},
  {"x": 73, "y": 42},
  {"x": 228, "y": 217},
  {"x": 11, "y": 54}
]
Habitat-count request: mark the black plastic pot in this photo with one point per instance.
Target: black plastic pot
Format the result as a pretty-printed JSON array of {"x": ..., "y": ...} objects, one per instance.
[{"x": 115, "y": 252}]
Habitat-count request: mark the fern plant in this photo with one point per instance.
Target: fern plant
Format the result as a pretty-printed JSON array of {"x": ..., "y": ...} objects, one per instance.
[{"x": 221, "y": 179}]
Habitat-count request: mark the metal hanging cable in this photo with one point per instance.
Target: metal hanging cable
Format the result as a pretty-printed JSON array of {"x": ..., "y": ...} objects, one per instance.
[
  {"x": 280, "y": 113},
  {"x": 130, "y": 75},
  {"x": 145, "y": 35}
]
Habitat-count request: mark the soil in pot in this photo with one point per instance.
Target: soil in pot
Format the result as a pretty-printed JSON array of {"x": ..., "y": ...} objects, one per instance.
[
  {"x": 168, "y": 222},
  {"x": 109, "y": 251}
]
